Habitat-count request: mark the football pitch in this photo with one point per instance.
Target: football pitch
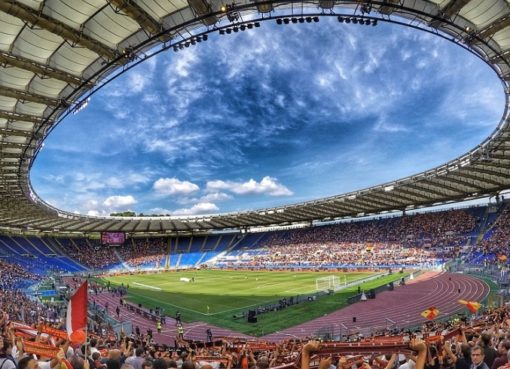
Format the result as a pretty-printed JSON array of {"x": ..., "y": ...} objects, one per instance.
[
  {"x": 216, "y": 292},
  {"x": 221, "y": 297}
]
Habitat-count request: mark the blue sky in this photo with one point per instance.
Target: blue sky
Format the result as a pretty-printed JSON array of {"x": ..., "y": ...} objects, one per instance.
[{"x": 269, "y": 116}]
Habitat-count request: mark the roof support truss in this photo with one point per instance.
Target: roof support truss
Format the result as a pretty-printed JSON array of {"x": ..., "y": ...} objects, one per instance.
[
  {"x": 40, "y": 69},
  {"x": 10, "y": 115},
  {"x": 495, "y": 27},
  {"x": 28, "y": 96},
  {"x": 39, "y": 19},
  {"x": 453, "y": 7},
  {"x": 140, "y": 16}
]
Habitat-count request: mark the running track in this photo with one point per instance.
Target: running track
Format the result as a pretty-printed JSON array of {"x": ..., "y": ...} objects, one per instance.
[{"x": 403, "y": 306}]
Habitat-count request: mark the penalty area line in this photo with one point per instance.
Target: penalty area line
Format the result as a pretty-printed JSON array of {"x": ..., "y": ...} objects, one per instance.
[{"x": 147, "y": 286}]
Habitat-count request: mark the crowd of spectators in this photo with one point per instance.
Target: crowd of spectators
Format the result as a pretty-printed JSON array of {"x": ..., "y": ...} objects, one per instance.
[
  {"x": 497, "y": 239},
  {"x": 92, "y": 254},
  {"x": 482, "y": 343},
  {"x": 144, "y": 251},
  {"x": 346, "y": 255},
  {"x": 411, "y": 239},
  {"x": 437, "y": 229},
  {"x": 134, "y": 252},
  {"x": 425, "y": 239},
  {"x": 13, "y": 276}
]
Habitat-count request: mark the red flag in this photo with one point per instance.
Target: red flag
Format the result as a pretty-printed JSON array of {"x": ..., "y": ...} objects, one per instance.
[{"x": 77, "y": 310}]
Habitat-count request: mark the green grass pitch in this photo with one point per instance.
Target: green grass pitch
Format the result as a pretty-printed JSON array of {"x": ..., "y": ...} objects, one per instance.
[{"x": 217, "y": 296}]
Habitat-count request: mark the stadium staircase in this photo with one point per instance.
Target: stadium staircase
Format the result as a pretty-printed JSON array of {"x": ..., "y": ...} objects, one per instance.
[
  {"x": 121, "y": 261},
  {"x": 489, "y": 222}
]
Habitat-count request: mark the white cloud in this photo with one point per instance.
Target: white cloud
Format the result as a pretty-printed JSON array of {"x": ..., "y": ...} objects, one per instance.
[
  {"x": 215, "y": 196},
  {"x": 137, "y": 82},
  {"x": 268, "y": 186},
  {"x": 200, "y": 208},
  {"x": 382, "y": 125},
  {"x": 93, "y": 213},
  {"x": 119, "y": 201},
  {"x": 174, "y": 186}
]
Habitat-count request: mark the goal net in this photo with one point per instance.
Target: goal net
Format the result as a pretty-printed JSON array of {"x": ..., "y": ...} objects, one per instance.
[{"x": 331, "y": 282}]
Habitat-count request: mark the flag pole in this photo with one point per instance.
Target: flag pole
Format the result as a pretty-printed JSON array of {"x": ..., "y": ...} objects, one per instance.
[{"x": 87, "y": 320}]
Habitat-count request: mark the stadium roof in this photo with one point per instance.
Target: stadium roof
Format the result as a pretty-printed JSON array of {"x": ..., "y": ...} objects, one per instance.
[{"x": 53, "y": 53}]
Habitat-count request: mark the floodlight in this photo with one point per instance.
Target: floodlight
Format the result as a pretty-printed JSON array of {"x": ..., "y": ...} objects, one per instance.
[
  {"x": 340, "y": 19},
  {"x": 301, "y": 20},
  {"x": 279, "y": 21},
  {"x": 308, "y": 19},
  {"x": 257, "y": 24},
  {"x": 316, "y": 19},
  {"x": 286, "y": 20},
  {"x": 205, "y": 37},
  {"x": 222, "y": 31},
  {"x": 294, "y": 20}
]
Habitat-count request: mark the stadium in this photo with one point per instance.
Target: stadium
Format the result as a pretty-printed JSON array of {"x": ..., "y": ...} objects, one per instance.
[{"x": 401, "y": 267}]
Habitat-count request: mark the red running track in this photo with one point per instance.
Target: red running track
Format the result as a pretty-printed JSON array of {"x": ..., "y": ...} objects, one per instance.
[{"x": 403, "y": 306}]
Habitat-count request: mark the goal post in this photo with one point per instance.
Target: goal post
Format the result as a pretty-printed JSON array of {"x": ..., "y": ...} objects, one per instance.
[{"x": 331, "y": 282}]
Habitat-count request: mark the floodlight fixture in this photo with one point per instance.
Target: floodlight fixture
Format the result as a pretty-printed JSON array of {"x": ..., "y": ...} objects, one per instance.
[
  {"x": 222, "y": 31},
  {"x": 308, "y": 19},
  {"x": 229, "y": 31},
  {"x": 257, "y": 24},
  {"x": 249, "y": 25},
  {"x": 316, "y": 19},
  {"x": 294, "y": 20},
  {"x": 374, "y": 22},
  {"x": 347, "y": 20},
  {"x": 176, "y": 48},
  {"x": 279, "y": 21},
  {"x": 242, "y": 27},
  {"x": 236, "y": 29},
  {"x": 355, "y": 20},
  {"x": 301, "y": 20},
  {"x": 286, "y": 20},
  {"x": 340, "y": 19},
  {"x": 205, "y": 37}
]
